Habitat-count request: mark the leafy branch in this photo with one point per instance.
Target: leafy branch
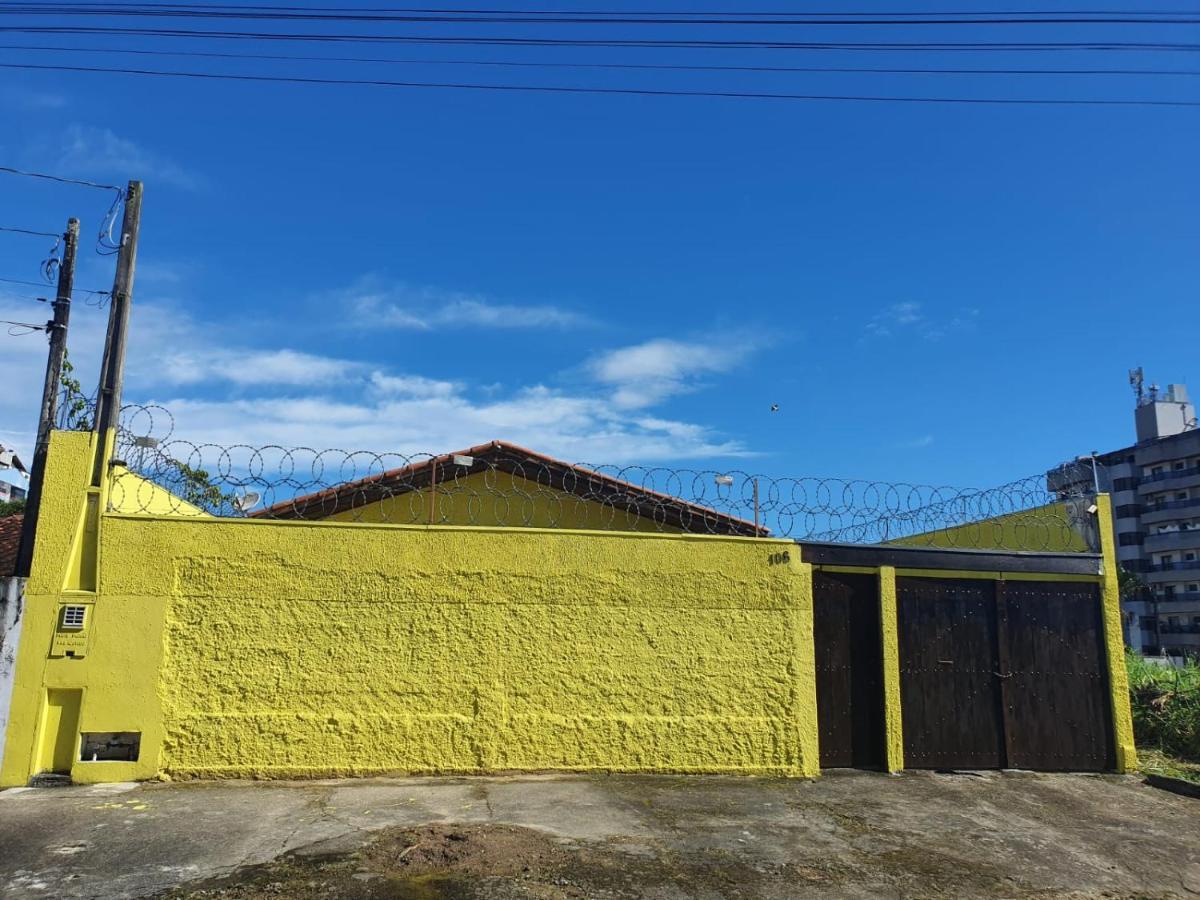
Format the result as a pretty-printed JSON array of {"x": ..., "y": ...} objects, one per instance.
[{"x": 76, "y": 409}]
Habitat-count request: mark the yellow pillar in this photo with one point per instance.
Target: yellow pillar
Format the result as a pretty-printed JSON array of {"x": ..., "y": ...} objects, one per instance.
[
  {"x": 806, "y": 675},
  {"x": 893, "y": 720},
  {"x": 1114, "y": 641}
]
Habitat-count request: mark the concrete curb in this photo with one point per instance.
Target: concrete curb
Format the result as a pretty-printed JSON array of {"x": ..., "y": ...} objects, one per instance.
[{"x": 1174, "y": 785}]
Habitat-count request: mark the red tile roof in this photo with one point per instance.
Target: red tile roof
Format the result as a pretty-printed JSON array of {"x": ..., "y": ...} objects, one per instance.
[
  {"x": 10, "y": 542},
  {"x": 505, "y": 457}
]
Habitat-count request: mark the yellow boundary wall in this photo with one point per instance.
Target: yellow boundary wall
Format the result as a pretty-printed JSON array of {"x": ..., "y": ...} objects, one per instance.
[{"x": 277, "y": 649}]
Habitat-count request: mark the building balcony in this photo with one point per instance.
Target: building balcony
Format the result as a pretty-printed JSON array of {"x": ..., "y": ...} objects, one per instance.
[
  {"x": 1168, "y": 629},
  {"x": 1153, "y": 514},
  {"x": 1174, "y": 478},
  {"x": 1188, "y": 539},
  {"x": 1173, "y": 566},
  {"x": 1179, "y": 597}
]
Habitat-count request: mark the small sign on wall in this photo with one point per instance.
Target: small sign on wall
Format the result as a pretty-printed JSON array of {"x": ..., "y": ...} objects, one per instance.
[{"x": 71, "y": 631}]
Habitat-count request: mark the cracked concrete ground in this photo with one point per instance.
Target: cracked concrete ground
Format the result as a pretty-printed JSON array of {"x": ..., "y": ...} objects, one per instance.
[{"x": 851, "y": 834}]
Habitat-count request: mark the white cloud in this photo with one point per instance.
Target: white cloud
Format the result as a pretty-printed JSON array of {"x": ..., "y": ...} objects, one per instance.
[
  {"x": 574, "y": 428},
  {"x": 220, "y": 391},
  {"x": 910, "y": 318},
  {"x": 88, "y": 150},
  {"x": 14, "y": 97},
  {"x": 648, "y": 373},
  {"x": 412, "y": 386},
  {"x": 398, "y": 305}
]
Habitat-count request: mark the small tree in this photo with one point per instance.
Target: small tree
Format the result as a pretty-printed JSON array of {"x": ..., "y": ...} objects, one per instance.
[
  {"x": 12, "y": 508},
  {"x": 76, "y": 409},
  {"x": 196, "y": 487}
]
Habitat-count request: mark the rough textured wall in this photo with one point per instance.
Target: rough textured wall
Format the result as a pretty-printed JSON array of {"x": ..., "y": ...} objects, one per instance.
[{"x": 305, "y": 649}]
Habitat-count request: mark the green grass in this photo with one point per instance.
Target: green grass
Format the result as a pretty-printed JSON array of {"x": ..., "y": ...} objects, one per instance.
[
  {"x": 1166, "y": 716},
  {"x": 1155, "y": 762}
]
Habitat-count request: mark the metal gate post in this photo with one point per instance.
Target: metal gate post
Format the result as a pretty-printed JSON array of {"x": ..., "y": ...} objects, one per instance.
[
  {"x": 1114, "y": 640},
  {"x": 893, "y": 720}
]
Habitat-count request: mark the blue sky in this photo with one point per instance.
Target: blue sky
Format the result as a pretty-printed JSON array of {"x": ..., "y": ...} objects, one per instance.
[{"x": 931, "y": 293}]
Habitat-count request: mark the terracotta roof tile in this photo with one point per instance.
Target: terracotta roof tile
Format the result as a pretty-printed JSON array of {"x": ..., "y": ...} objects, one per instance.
[
  {"x": 506, "y": 457},
  {"x": 10, "y": 541}
]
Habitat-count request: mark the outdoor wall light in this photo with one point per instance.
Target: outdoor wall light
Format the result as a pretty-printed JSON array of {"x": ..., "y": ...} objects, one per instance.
[
  {"x": 467, "y": 461},
  {"x": 724, "y": 480}
]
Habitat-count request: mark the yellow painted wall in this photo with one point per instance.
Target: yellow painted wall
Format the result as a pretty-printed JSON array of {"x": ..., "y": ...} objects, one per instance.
[
  {"x": 1045, "y": 528},
  {"x": 131, "y": 493},
  {"x": 499, "y": 498},
  {"x": 257, "y": 648},
  {"x": 261, "y": 648},
  {"x": 1114, "y": 641}
]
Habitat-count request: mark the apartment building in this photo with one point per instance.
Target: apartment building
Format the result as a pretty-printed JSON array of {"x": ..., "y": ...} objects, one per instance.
[{"x": 1155, "y": 486}]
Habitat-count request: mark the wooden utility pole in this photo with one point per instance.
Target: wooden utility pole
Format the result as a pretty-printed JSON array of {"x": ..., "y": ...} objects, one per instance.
[
  {"x": 56, "y": 329},
  {"x": 112, "y": 369}
]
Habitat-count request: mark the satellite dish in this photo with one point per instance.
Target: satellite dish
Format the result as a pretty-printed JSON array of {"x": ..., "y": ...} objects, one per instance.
[{"x": 246, "y": 501}]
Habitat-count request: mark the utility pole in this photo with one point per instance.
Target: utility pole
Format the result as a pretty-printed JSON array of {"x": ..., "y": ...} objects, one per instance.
[
  {"x": 112, "y": 369},
  {"x": 56, "y": 329}
]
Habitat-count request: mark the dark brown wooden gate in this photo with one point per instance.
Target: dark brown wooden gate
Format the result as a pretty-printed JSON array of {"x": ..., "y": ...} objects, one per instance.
[
  {"x": 848, "y": 646},
  {"x": 1054, "y": 682},
  {"x": 1003, "y": 674},
  {"x": 949, "y": 692}
]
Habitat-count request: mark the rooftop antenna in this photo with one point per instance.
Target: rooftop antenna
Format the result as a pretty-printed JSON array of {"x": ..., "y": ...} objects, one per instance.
[{"x": 1136, "y": 380}]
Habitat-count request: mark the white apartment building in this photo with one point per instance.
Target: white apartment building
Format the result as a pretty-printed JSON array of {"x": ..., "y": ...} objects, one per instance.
[{"x": 1155, "y": 486}]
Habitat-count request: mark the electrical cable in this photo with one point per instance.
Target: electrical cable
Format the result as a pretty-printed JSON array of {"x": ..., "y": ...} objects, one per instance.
[
  {"x": 48, "y": 234},
  {"x": 1144, "y": 46},
  {"x": 58, "y": 178},
  {"x": 39, "y": 284},
  {"x": 25, "y": 328},
  {"x": 755, "y": 95},
  {"x": 566, "y": 65},
  {"x": 594, "y": 12},
  {"x": 544, "y": 18}
]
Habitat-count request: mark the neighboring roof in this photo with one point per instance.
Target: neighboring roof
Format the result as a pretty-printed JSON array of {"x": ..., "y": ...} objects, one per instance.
[
  {"x": 501, "y": 456},
  {"x": 10, "y": 542}
]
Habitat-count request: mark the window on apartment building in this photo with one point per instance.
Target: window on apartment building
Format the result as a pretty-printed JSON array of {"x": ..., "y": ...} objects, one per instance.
[
  {"x": 1130, "y": 538},
  {"x": 1147, "y": 622},
  {"x": 1193, "y": 588},
  {"x": 1165, "y": 529},
  {"x": 1169, "y": 591},
  {"x": 1166, "y": 561},
  {"x": 1190, "y": 557},
  {"x": 1157, "y": 470},
  {"x": 1124, "y": 484},
  {"x": 1128, "y": 511},
  {"x": 1160, "y": 501},
  {"x": 1181, "y": 495},
  {"x": 1185, "y": 526},
  {"x": 1179, "y": 465}
]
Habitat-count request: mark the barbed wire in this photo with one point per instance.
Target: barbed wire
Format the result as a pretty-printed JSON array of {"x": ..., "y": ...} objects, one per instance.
[{"x": 500, "y": 484}]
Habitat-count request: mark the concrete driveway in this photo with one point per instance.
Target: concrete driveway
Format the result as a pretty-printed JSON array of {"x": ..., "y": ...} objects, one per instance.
[{"x": 852, "y": 834}]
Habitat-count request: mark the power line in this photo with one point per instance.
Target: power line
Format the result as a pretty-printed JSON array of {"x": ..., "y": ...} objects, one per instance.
[
  {"x": 754, "y": 95},
  {"x": 10, "y": 171},
  {"x": 571, "y": 18},
  {"x": 39, "y": 284},
  {"x": 1147, "y": 46},
  {"x": 566, "y": 65},
  {"x": 27, "y": 327},
  {"x": 30, "y": 232},
  {"x": 624, "y": 12}
]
